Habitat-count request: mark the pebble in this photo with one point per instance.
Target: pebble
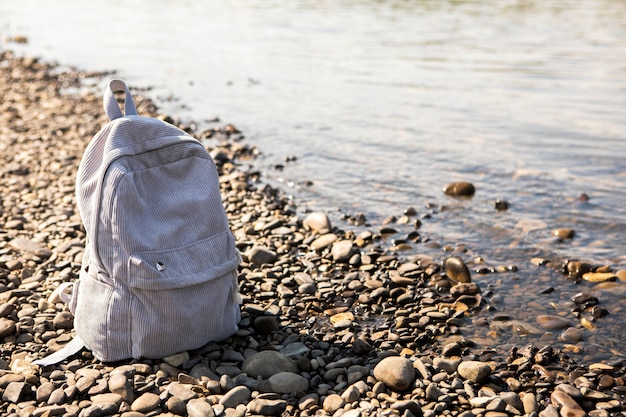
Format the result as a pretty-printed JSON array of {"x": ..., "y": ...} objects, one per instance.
[
  {"x": 457, "y": 270},
  {"x": 568, "y": 406},
  {"x": 237, "y": 395},
  {"x": 332, "y": 403},
  {"x": 266, "y": 363},
  {"x": 323, "y": 241},
  {"x": 572, "y": 335},
  {"x": 474, "y": 371},
  {"x": 146, "y": 403},
  {"x": 267, "y": 407},
  {"x": 395, "y": 372},
  {"x": 199, "y": 407},
  {"x": 260, "y": 255},
  {"x": 288, "y": 382},
  {"x": 564, "y": 233},
  {"x": 550, "y": 322},
  {"x": 460, "y": 189},
  {"x": 317, "y": 222},
  {"x": 599, "y": 276},
  {"x": 342, "y": 250}
]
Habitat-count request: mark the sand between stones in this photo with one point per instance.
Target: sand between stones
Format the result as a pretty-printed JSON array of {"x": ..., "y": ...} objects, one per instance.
[{"x": 341, "y": 325}]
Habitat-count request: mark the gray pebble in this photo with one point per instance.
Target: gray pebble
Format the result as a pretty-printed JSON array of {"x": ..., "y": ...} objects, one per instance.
[
  {"x": 235, "y": 396},
  {"x": 288, "y": 382},
  {"x": 267, "y": 363}
]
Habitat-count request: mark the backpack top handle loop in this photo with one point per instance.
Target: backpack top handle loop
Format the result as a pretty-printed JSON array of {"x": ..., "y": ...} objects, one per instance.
[{"x": 111, "y": 107}]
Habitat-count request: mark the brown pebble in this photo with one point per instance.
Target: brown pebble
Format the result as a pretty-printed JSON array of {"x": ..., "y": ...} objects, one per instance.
[
  {"x": 564, "y": 234},
  {"x": 460, "y": 189},
  {"x": 457, "y": 270}
]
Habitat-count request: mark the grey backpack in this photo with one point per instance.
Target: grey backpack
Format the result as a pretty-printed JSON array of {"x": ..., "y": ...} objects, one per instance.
[{"x": 159, "y": 270}]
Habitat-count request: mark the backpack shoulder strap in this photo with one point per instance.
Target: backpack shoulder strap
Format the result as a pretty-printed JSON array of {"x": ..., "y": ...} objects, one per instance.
[{"x": 111, "y": 107}]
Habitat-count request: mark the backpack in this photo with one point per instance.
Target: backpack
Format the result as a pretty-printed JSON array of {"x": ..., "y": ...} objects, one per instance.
[{"x": 159, "y": 270}]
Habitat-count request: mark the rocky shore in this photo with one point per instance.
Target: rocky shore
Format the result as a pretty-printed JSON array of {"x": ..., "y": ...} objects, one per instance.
[{"x": 333, "y": 322}]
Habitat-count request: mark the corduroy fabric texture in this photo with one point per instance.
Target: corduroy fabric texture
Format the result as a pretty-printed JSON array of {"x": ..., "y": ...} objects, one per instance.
[{"x": 159, "y": 273}]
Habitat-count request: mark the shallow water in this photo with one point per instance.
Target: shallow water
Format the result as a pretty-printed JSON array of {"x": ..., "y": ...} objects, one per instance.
[{"x": 384, "y": 103}]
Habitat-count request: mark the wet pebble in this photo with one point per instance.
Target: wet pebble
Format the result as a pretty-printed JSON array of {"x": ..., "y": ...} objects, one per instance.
[
  {"x": 457, "y": 270},
  {"x": 460, "y": 189},
  {"x": 551, "y": 322}
]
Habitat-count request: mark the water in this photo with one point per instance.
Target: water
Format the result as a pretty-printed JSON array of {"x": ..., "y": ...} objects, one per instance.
[{"x": 385, "y": 102}]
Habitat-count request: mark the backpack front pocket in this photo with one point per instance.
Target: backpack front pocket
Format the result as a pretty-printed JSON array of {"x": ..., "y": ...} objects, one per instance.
[
  {"x": 183, "y": 298},
  {"x": 184, "y": 266}
]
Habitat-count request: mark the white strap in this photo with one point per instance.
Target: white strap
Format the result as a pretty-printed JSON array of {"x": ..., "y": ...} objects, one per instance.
[
  {"x": 111, "y": 107},
  {"x": 72, "y": 348},
  {"x": 59, "y": 294}
]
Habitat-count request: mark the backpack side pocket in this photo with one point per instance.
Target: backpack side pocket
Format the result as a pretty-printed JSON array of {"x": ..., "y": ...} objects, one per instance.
[{"x": 98, "y": 309}]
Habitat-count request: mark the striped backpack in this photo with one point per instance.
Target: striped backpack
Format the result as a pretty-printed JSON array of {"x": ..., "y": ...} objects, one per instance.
[{"x": 159, "y": 270}]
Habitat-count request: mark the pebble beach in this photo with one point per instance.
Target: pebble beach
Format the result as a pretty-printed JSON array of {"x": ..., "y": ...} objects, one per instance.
[{"x": 335, "y": 321}]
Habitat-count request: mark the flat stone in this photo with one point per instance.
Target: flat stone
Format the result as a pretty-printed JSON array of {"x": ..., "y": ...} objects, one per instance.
[
  {"x": 50, "y": 410},
  {"x": 199, "y": 407},
  {"x": 410, "y": 405},
  {"x": 260, "y": 255},
  {"x": 236, "y": 396},
  {"x": 569, "y": 407},
  {"x": 99, "y": 409},
  {"x": 6, "y": 379},
  {"x": 550, "y": 322},
  {"x": 107, "y": 398},
  {"x": 146, "y": 403},
  {"x": 177, "y": 359},
  {"x": 332, "y": 403},
  {"x": 295, "y": 350},
  {"x": 323, "y": 241},
  {"x": 14, "y": 391},
  {"x": 530, "y": 403},
  {"x": 564, "y": 233},
  {"x": 202, "y": 370},
  {"x": 599, "y": 276},
  {"x": 446, "y": 364},
  {"x": 181, "y": 391},
  {"x": 57, "y": 396},
  {"x": 469, "y": 288},
  {"x": 63, "y": 320},
  {"x": 288, "y": 382},
  {"x": 267, "y": 407},
  {"x": 266, "y": 363}
]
